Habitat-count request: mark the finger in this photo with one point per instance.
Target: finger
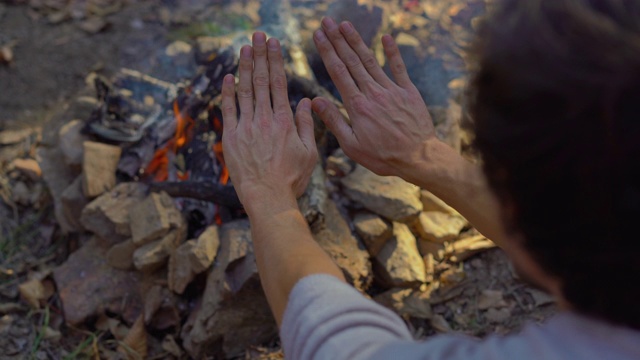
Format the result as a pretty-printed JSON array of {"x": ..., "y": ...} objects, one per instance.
[
  {"x": 365, "y": 54},
  {"x": 229, "y": 112},
  {"x": 278, "y": 79},
  {"x": 261, "y": 72},
  {"x": 336, "y": 68},
  {"x": 304, "y": 123},
  {"x": 332, "y": 117},
  {"x": 245, "y": 87},
  {"x": 346, "y": 53},
  {"x": 398, "y": 69}
]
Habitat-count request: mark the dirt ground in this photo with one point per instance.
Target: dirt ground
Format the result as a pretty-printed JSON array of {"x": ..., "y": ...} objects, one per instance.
[{"x": 49, "y": 67}]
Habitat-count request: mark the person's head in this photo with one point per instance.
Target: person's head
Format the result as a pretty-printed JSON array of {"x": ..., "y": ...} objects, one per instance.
[{"x": 556, "y": 102}]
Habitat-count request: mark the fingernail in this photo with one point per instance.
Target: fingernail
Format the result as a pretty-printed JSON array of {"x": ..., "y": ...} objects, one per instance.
[
  {"x": 346, "y": 27},
  {"x": 273, "y": 44},
  {"x": 259, "y": 38},
  {"x": 305, "y": 104},
  {"x": 229, "y": 79},
  {"x": 387, "y": 40},
  {"x": 328, "y": 23},
  {"x": 245, "y": 52},
  {"x": 320, "y": 36}
]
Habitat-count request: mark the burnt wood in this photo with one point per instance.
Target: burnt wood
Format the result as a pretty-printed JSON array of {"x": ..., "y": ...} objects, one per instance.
[{"x": 224, "y": 195}]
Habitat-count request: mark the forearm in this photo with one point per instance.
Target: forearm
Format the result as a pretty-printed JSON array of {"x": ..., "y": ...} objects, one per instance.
[
  {"x": 459, "y": 183},
  {"x": 285, "y": 250}
]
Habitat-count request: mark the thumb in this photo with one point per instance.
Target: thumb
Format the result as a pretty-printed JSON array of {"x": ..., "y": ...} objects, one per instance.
[
  {"x": 332, "y": 117},
  {"x": 304, "y": 123}
]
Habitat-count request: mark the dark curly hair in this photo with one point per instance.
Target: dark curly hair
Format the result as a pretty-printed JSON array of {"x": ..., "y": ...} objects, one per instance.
[{"x": 555, "y": 97}]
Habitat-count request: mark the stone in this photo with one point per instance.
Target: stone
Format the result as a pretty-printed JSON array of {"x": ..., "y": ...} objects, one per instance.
[
  {"x": 160, "y": 309},
  {"x": 152, "y": 256},
  {"x": 57, "y": 177},
  {"x": 373, "y": 230},
  {"x": 438, "y": 227},
  {"x": 99, "y": 165},
  {"x": 88, "y": 286},
  {"x": 108, "y": 215},
  {"x": 338, "y": 164},
  {"x": 205, "y": 249},
  {"x": 10, "y": 137},
  {"x": 120, "y": 256},
  {"x": 71, "y": 142},
  {"x": 400, "y": 263},
  {"x": 28, "y": 167},
  {"x": 431, "y": 202},
  {"x": 367, "y": 18},
  {"x": 192, "y": 258},
  {"x": 73, "y": 203},
  {"x": 388, "y": 196},
  {"x": 406, "y": 302},
  {"x": 491, "y": 299},
  {"x": 177, "y": 47},
  {"x": 465, "y": 248},
  {"x": 427, "y": 247},
  {"x": 440, "y": 324},
  {"x": 153, "y": 217},
  {"x": 20, "y": 193},
  {"x": 234, "y": 311},
  {"x": 347, "y": 252}
]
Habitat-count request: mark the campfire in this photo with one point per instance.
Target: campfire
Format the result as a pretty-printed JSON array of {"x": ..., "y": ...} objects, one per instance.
[{"x": 162, "y": 250}]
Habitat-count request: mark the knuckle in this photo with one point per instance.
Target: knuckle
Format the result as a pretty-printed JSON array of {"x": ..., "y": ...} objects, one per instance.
[
  {"x": 339, "y": 68},
  {"x": 379, "y": 96},
  {"x": 261, "y": 80},
  {"x": 398, "y": 68},
  {"x": 245, "y": 92},
  {"x": 279, "y": 82},
  {"x": 369, "y": 61},
  {"x": 352, "y": 60},
  {"x": 360, "y": 104}
]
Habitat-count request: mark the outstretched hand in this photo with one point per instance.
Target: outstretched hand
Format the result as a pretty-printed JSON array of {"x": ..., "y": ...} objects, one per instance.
[
  {"x": 390, "y": 123},
  {"x": 269, "y": 154}
]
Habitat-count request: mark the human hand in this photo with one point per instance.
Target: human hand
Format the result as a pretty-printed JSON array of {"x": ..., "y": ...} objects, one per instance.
[
  {"x": 269, "y": 155},
  {"x": 390, "y": 123}
]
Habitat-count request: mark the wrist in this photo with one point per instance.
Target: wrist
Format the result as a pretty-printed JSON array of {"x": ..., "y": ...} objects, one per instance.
[{"x": 268, "y": 199}]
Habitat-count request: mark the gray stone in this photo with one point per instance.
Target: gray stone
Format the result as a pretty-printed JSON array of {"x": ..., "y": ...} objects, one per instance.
[
  {"x": 388, "y": 196},
  {"x": 71, "y": 142},
  {"x": 73, "y": 202},
  {"x": 192, "y": 258},
  {"x": 120, "y": 256},
  {"x": 154, "y": 255},
  {"x": 153, "y": 217}
]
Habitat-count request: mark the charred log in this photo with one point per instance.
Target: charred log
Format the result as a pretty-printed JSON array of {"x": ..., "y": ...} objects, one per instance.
[{"x": 207, "y": 191}]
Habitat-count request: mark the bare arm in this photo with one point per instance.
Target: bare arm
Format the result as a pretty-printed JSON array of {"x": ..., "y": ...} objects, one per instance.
[
  {"x": 270, "y": 158},
  {"x": 391, "y": 131}
]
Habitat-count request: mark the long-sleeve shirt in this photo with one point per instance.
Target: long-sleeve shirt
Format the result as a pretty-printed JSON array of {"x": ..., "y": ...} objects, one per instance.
[{"x": 328, "y": 319}]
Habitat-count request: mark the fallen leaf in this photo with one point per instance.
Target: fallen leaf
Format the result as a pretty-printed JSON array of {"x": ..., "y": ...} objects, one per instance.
[
  {"x": 32, "y": 292},
  {"x": 134, "y": 345}
]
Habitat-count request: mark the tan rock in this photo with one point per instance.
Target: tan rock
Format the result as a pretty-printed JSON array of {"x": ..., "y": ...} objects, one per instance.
[
  {"x": 205, "y": 249},
  {"x": 88, "y": 286},
  {"x": 387, "y": 196},
  {"x": 71, "y": 142},
  {"x": 73, "y": 203},
  {"x": 99, "y": 165},
  {"x": 427, "y": 247},
  {"x": 431, "y": 202},
  {"x": 463, "y": 249},
  {"x": 10, "y": 137},
  {"x": 400, "y": 262},
  {"x": 373, "y": 230},
  {"x": 439, "y": 227},
  {"x": 28, "y": 167},
  {"x": 120, "y": 256},
  {"x": 108, "y": 215},
  {"x": 497, "y": 315},
  {"x": 192, "y": 258},
  {"x": 151, "y": 256},
  {"x": 350, "y": 256},
  {"x": 154, "y": 217}
]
